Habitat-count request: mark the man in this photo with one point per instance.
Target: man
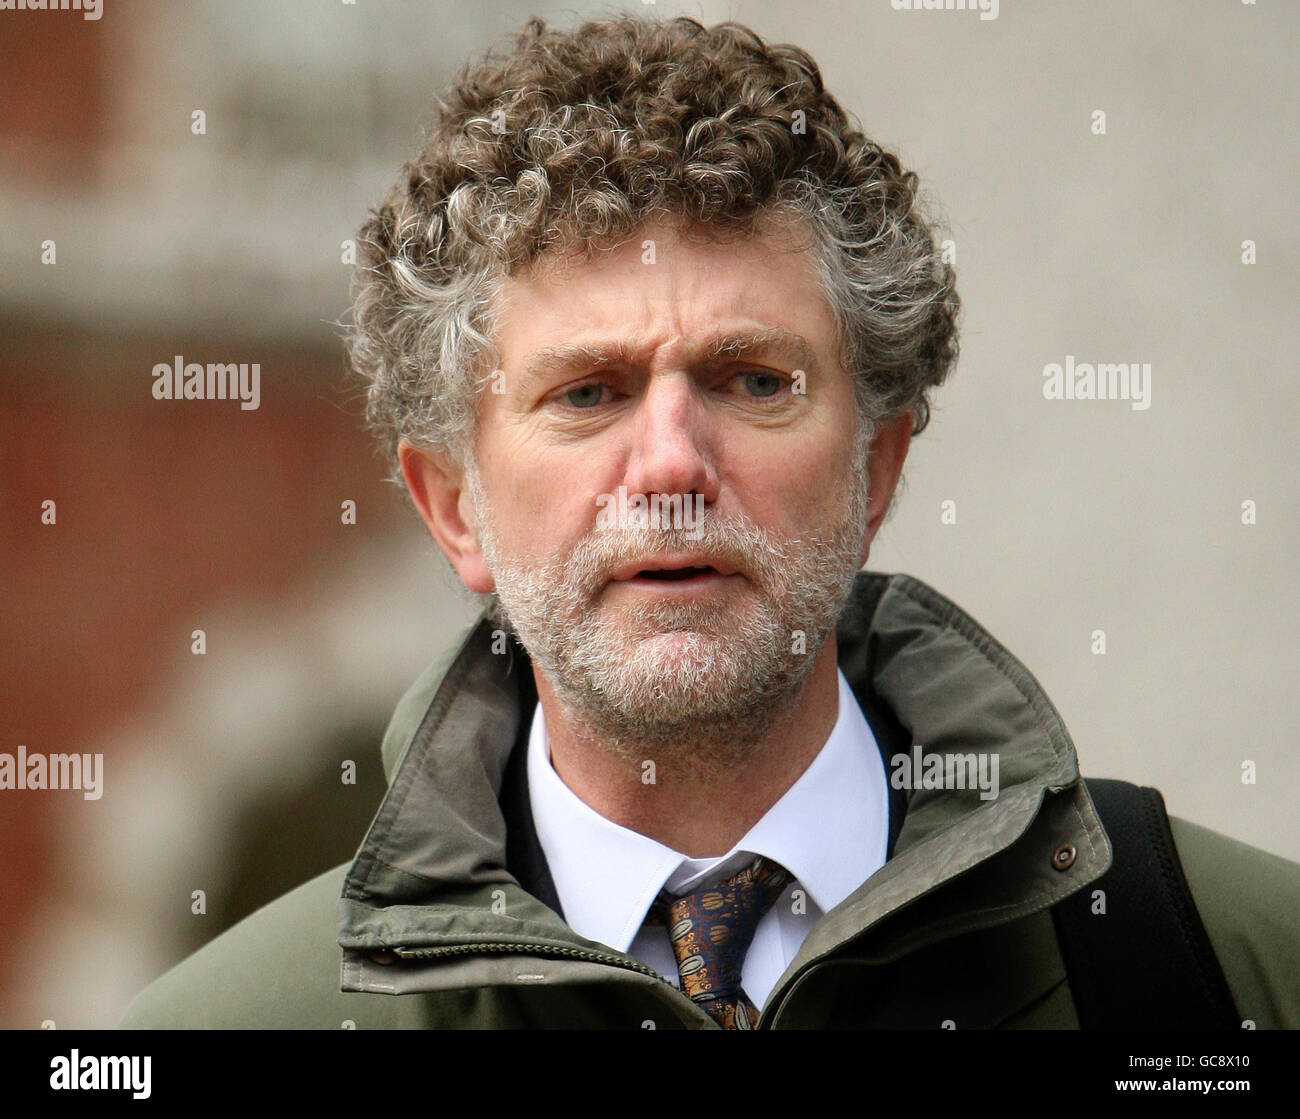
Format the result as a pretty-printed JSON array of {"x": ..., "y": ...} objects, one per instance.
[{"x": 648, "y": 327}]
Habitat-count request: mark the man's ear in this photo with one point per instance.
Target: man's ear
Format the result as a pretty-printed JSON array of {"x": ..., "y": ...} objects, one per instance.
[
  {"x": 884, "y": 465},
  {"x": 442, "y": 498}
]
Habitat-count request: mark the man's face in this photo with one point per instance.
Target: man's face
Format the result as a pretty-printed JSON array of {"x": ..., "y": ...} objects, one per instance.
[{"x": 764, "y": 434}]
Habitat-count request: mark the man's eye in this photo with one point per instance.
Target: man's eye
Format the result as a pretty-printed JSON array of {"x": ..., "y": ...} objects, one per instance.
[
  {"x": 762, "y": 384},
  {"x": 584, "y": 396}
]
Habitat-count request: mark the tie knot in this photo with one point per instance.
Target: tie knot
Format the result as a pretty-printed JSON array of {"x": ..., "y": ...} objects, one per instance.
[{"x": 711, "y": 931}]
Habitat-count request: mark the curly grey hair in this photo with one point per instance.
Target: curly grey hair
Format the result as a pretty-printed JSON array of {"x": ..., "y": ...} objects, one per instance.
[{"x": 569, "y": 142}]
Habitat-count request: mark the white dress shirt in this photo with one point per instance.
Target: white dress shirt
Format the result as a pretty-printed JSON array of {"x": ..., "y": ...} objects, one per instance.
[{"x": 830, "y": 831}]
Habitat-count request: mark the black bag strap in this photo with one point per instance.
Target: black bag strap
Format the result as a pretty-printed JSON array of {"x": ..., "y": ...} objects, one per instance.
[{"x": 1147, "y": 962}]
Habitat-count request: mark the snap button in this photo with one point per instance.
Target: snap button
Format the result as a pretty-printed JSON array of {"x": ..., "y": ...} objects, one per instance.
[
  {"x": 1064, "y": 857},
  {"x": 382, "y": 957}
]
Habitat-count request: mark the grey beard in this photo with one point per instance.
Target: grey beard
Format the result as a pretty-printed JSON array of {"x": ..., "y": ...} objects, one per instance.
[{"x": 695, "y": 684}]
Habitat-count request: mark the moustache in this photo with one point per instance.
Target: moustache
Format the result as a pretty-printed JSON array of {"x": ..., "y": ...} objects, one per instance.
[{"x": 736, "y": 543}]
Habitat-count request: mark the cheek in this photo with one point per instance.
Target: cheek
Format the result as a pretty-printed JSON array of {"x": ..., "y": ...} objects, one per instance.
[
  {"x": 542, "y": 522},
  {"x": 804, "y": 488}
]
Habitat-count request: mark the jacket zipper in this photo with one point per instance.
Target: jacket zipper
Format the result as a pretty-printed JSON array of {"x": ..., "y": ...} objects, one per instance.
[
  {"x": 536, "y": 950},
  {"x": 527, "y": 950}
]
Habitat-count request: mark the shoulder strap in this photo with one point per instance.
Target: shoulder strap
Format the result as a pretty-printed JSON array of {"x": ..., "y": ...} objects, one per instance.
[{"x": 1146, "y": 962}]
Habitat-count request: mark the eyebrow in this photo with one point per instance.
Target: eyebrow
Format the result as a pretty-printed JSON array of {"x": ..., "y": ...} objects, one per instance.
[{"x": 733, "y": 344}]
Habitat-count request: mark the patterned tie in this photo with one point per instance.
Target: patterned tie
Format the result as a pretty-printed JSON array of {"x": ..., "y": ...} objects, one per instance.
[{"x": 711, "y": 931}]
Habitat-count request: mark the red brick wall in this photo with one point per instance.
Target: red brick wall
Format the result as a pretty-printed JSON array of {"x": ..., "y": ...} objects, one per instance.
[{"x": 163, "y": 508}]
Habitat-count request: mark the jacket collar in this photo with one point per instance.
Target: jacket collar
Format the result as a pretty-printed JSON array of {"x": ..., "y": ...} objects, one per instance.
[{"x": 430, "y": 880}]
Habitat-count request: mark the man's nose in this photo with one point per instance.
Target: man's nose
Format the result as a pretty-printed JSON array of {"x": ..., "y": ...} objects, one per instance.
[{"x": 672, "y": 441}]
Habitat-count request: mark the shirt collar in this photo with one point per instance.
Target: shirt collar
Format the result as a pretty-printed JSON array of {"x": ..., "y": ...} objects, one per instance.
[{"x": 830, "y": 830}]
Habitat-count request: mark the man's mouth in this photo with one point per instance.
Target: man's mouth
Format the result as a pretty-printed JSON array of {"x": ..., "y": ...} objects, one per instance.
[
  {"x": 687, "y": 573},
  {"x": 672, "y": 568},
  {"x": 675, "y": 574}
]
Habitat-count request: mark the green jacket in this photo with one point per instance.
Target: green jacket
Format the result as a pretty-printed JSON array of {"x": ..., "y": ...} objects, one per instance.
[{"x": 428, "y": 927}]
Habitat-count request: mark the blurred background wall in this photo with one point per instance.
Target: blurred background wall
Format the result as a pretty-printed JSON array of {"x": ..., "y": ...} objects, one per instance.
[{"x": 222, "y": 770}]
